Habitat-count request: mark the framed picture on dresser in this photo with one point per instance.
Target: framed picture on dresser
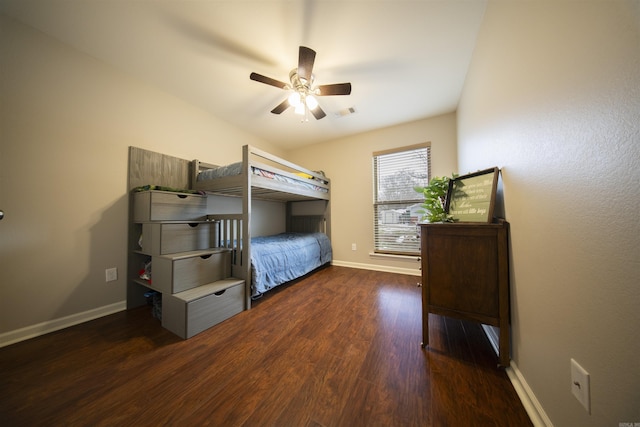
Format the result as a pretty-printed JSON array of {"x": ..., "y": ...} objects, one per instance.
[{"x": 472, "y": 197}]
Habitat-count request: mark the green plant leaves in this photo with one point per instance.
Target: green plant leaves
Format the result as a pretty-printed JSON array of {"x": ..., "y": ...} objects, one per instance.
[{"x": 435, "y": 196}]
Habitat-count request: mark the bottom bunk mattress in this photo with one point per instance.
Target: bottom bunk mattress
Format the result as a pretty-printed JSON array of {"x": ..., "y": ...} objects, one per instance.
[{"x": 283, "y": 257}]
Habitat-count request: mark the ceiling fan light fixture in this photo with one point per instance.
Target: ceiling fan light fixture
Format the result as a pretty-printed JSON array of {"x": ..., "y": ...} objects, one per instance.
[
  {"x": 300, "y": 109},
  {"x": 294, "y": 99},
  {"x": 311, "y": 102},
  {"x": 304, "y": 92}
]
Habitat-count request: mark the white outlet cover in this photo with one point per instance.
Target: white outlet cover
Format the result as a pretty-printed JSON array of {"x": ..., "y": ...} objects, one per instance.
[
  {"x": 580, "y": 385},
  {"x": 111, "y": 274}
]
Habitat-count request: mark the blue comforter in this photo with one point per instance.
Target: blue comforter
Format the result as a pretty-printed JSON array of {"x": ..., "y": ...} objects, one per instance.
[{"x": 284, "y": 257}]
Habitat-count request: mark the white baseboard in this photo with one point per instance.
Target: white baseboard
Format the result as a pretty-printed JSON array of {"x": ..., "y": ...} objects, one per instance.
[
  {"x": 11, "y": 337},
  {"x": 529, "y": 400},
  {"x": 374, "y": 267}
]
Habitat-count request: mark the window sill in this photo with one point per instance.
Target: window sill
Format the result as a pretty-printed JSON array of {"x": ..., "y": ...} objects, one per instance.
[{"x": 394, "y": 257}]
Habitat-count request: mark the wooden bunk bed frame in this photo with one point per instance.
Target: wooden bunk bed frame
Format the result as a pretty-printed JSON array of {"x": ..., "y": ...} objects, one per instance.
[{"x": 235, "y": 229}]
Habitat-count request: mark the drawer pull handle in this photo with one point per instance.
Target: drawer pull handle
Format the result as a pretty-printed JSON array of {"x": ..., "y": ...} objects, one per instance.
[
  {"x": 193, "y": 224},
  {"x": 220, "y": 292},
  {"x": 205, "y": 256},
  {"x": 182, "y": 196}
]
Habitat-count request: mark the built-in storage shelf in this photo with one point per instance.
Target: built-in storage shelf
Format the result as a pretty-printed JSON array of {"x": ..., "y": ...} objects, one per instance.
[
  {"x": 145, "y": 283},
  {"x": 168, "y": 206},
  {"x": 202, "y": 253},
  {"x": 160, "y": 238},
  {"x": 193, "y": 275},
  {"x": 191, "y": 312},
  {"x": 186, "y": 270}
]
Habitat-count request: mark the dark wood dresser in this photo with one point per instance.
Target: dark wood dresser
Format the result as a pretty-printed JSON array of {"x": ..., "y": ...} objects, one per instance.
[{"x": 465, "y": 275}]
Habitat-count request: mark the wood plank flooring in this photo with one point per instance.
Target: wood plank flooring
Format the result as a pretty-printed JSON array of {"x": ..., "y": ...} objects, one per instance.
[{"x": 340, "y": 347}]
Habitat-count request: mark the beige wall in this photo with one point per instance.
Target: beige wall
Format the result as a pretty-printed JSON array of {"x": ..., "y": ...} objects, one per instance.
[
  {"x": 67, "y": 121},
  {"x": 553, "y": 97},
  {"x": 348, "y": 162}
]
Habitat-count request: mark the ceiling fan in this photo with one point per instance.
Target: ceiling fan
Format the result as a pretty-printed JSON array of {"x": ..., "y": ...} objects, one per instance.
[{"x": 302, "y": 97}]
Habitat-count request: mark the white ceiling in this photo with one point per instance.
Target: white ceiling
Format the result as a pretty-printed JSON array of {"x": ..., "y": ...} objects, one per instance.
[{"x": 406, "y": 59}]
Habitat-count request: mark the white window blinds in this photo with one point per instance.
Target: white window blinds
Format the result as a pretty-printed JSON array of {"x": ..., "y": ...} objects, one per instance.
[{"x": 396, "y": 203}]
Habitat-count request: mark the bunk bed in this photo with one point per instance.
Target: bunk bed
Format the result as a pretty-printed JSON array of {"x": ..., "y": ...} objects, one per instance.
[{"x": 265, "y": 262}]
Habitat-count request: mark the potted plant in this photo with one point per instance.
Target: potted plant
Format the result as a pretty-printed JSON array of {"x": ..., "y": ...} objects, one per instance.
[{"x": 435, "y": 195}]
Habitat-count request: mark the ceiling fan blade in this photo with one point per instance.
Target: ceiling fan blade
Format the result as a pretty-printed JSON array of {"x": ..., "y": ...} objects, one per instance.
[
  {"x": 335, "y": 89},
  {"x": 281, "y": 107},
  {"x": 306, "y": 59},
  {"x": 268, "y": 80},
  {"x": 318, "y": 113}
]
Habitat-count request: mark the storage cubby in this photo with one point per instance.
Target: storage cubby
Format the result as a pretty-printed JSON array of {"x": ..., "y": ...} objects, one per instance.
[
  {"x": 186, "y": 270},
  {"x": 190, "y": 312},
  {"x": 154, "y": 205},
  {"x": 173, "y": 232},
  {"x": 169, "y": 238}
]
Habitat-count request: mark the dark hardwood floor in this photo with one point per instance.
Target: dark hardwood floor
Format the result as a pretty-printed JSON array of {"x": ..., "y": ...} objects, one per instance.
[{"x": 338, "y": 348}]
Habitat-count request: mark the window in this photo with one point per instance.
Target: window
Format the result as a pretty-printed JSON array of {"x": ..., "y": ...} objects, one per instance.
[{"x": 395, "y": 202}]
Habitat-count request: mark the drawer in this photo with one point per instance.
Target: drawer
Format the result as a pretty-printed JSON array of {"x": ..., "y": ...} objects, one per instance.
[
  {"x": 186, "y": 270},
  {"x": 168, "y": 206},
  {"x": 171, "y": 238},
  {"x": 191, "y": 312}
]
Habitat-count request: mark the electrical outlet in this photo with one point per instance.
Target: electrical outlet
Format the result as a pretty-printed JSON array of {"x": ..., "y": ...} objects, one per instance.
[
  {"x": 111, "y": 274},
  {"x": 580, "y": 385},
  {"x": 353, "y": 247}
]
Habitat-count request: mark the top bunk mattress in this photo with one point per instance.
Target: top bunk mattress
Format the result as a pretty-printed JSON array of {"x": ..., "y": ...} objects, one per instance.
[{"x": 235, "y": 169}]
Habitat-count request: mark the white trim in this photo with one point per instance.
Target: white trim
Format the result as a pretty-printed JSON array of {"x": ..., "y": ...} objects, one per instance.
[
  {"x": 531, "y": 404},
  {"x": 415, "y": 258},
  {"x": 375, "y": 267},
  {"x": 12, "y": 337},
  {"x": 529, "y": 400}
]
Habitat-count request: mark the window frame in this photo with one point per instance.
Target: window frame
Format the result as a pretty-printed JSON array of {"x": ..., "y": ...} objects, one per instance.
[{"x": 413, "y": 247}]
